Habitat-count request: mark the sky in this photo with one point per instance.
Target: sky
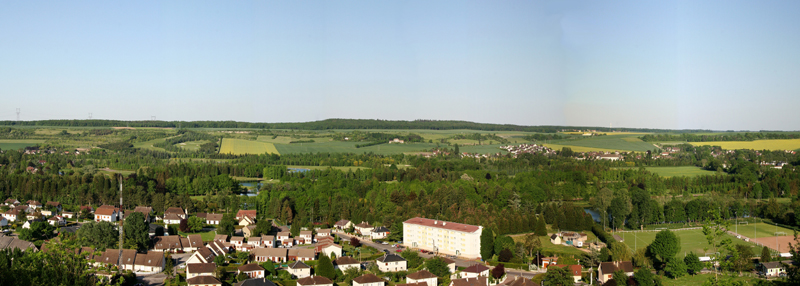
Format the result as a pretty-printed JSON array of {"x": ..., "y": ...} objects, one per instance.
[{"x": 720, "y": 65}]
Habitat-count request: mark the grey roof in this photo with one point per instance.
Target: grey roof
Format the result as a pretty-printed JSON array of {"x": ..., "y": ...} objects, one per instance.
[
  {"x": 256, "y": 282},
  {"x": 298, "y": 265},
  {"x": 380, "y": 229},
  {"x": 391, "y": 258}
]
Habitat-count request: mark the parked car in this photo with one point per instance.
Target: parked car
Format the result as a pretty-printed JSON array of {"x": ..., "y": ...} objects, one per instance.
[
  {"x": 384, "y": 243},
  {"x": 399, "y": 250}
]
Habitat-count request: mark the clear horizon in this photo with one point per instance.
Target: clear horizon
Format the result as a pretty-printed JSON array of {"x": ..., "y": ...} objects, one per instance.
[{"x": 717, "y": 65}]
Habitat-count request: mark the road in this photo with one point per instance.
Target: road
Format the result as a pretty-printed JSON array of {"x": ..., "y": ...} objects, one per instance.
[{"x": 460, "y": 262}]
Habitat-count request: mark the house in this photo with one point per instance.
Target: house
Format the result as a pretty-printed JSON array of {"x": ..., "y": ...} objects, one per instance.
[
  {"x": 283, "y": 237},
  {"x": 574, "y": 238},
  {"x": 772, "y": 269},
  {"x": 252, "y": 270},
  {"x": 555, "y": 239},
  {"x": 3, "y": 221},
  {"x": 305, "y": 236},
  {"x": 176, "y": 211},
  {"x": 343, "y": 224},
  {"x": 110, "y": 257},
  {"x": 574, "y": 270},
  {"x": 155, "y": 230},
  {"x": 606, "y": 270},
  {"x": 219, "y": 247},
  {"x": 476, "y": 270},
  {"x": 364, "y": 229},
  {"x": 55, "y": 206},
  {"x": 611, "y": 157},
  {"x": 314, "y": 281},
  {"x": 328, "y": 248},
  {"x": 246, "y": 213},
  {"x": 451, "y": 264},
  {"x": 299, "y": 269},
  {"x": 11, "y": 242},
  {"x": 392, "y": 263},
  {"x": 128, "y": 259},
  {"x": 423, "y": 276},
  {"x": 221, "y": 237},
  {"x": 213, "y": 219},
  {"x": 45, "y": 212},
  {"x": 204, "y": 280},
  {"x": 323, "y": 233},
  {"x": 256, "y": 282},
  {"x": 195, "y": 242},
  {"x": 11, "y": 202},
  {"x": 146, "y": 211},
  {"x": 56, "y": 221},
  {"x": 245, "y": 221},
  {"x": 203, "y": 216},
  {"x": 443, "y": 237},
  {"x": 28, "y": 223},
  {"x": 543, "y": 262},
  {"x": 295, "y": 254},
  {"x": 237, "y": 242},
  {"x": 172, "y": 219},
  {"x": 254, "y": 242},
  {"x": 202, "y": 255},
  {"x": 68, "y": 214},
  {"x": 170, "y": 243},
  {"x": 379, "y": 232},
  {"x": 88, "y": 208},
  {"x": 247, "y": 231},
  {"x": 412, "y": 284},
  {"x": 11, "y": 215},
  {"x": 346, "y": 262},
  {"x": 268, "y": 241},
  {"x": 325, "y": 240},
  {"x": 368, "y": 280},
  {"x": 199, "y": 269},
  {"x": 270, "y": 254},
  {"x": 106, "y": 213},
  {"x": 397, "y": 140},
  {"x": 472, "y": 281},
  {"x": 34, "y": 204}
]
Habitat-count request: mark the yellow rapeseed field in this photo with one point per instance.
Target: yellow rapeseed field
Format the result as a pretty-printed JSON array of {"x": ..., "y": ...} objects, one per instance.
[
  {"x": 776, "y": 144},
  {"x": 241, "y": 147}
]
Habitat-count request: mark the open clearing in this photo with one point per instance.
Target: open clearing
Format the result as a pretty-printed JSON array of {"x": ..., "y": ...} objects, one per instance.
[
  {"x": 241, "y": 147},
  {"x": 192, "y": 145},
  {"x": 692, "y": 240},
  {"x": 14, "y": 144},
  {"x": 605, "y": 143},
  {"x": 686, "y": 171},
  {"x": 149, "y": 144},
  {"x": 777, "y": 144}
]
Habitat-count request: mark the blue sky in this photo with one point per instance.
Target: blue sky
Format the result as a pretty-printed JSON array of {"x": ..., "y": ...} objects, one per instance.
[{"x": 660, "y": 64}]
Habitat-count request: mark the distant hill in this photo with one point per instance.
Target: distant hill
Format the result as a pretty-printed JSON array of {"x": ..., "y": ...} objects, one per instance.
[{"x": 330, "y": 124}]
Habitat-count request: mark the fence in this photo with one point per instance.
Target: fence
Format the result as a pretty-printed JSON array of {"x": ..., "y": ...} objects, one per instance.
[{"x": 657, "y": 230}]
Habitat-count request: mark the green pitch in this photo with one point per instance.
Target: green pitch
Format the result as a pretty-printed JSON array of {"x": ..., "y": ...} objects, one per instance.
[
  {"x": 759, "y": 230},
  {"x": 692, "y": 240},
  {"x": 240, "y": 146}
]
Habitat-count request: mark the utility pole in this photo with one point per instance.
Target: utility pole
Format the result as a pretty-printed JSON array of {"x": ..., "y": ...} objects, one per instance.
[{"x": 119, "y": 265}]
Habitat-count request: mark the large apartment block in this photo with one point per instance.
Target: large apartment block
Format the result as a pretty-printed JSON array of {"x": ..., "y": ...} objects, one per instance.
[{"x": 443, "y": 237}]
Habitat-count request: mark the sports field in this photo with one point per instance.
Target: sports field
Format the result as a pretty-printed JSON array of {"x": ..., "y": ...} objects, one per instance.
[
  {"x": 757, "y": 230},
  {"x": 241, "y": 147},
  {"x": 14, "y": 144},
  {"x": 687, "y": 171},
  {"x": 777, "y": 144},
  {"x": 692, "y": 240}
]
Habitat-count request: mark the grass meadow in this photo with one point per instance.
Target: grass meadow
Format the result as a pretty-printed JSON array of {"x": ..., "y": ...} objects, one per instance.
[
  {"x": 685, "y": 171},
  {"x": 192, "y": 145},
  {"x": 240, "y": 147},
  {"x": 692, "y": 240},
  {"x": 604, "y": 143},
  {"x": 776, "y": 144},
  {"x": 754, "y": 230},
  {"x": 14, "y": 144},
  {"x": 149, "y": 144}
]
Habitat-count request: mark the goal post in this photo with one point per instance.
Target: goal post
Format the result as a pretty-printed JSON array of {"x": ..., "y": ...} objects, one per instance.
[{"x": 780, "y": 233}]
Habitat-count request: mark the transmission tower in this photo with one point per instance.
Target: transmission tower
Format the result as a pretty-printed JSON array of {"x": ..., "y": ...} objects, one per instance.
[
  {"x": 17, "y": 113},
  {"x": 120, "y": 224},
  {"x": 153, "y": 117},
  {"x": 90, "y": 115}
]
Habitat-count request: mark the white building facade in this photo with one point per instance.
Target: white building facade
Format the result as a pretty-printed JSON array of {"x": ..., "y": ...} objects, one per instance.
[{"x": 444, "y": 237}]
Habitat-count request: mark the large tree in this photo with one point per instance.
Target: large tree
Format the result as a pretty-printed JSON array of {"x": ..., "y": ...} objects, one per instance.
[
  {"x": 676, "y": 268},
  {"x": 263, "y": 226},
  {"x": 693, "y": 264},
  {"x": 558, "y": 276},
  {"x": 487, "y": 244},
  {"x": 196, "y": 224},
  {"x": 438, "y": 267},
  {"x": 100, "y": 235},
  {"x": 135, "y": 232},
  {"x": 325, "y": 267},
  {"x": 766, "y": 256},
  {"x": 664, "y": 247},
  {"x": 227, "y": 225},
  {"x": 413, "y": 258},
  {"x": 644, "y": 277},
  {"x": 503, "y": 242}
]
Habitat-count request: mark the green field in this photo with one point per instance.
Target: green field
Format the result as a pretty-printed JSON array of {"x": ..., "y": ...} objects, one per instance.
[
  {"x": 692, "y": 240},
  {"x": 687, "y": 171},
  {"x": 149, "y": 144},
  {"x": 14, "y": 144},
  {"x": 192, "y": 145},
  {"x": 701, "y": 278},
  {"x": 241, "y": 147},
  {"x": 624, "y": 142},
  {"x": 759, "y": 230},
  {"x": 350, "y": 147}
]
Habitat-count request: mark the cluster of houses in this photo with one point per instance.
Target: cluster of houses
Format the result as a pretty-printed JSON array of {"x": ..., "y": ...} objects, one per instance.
[
  {"x": 32, "y": 211},
  {"x": 363, "y": 229},
  {"x": 527, "y": 148},
  {"x": 568, "y": 238}
]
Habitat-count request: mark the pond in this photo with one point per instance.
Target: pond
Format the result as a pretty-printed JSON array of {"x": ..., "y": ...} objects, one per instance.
[{"x": 595, "y": 215}]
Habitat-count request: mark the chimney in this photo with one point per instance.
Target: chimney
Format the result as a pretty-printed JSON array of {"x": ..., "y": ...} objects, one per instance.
[
  {"x": 436, "y": 222},
  {"x": 444, "y": 223}
]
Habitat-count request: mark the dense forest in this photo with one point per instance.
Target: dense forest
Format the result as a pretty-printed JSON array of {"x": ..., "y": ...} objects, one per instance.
[{"x": 328, "y": 124}]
